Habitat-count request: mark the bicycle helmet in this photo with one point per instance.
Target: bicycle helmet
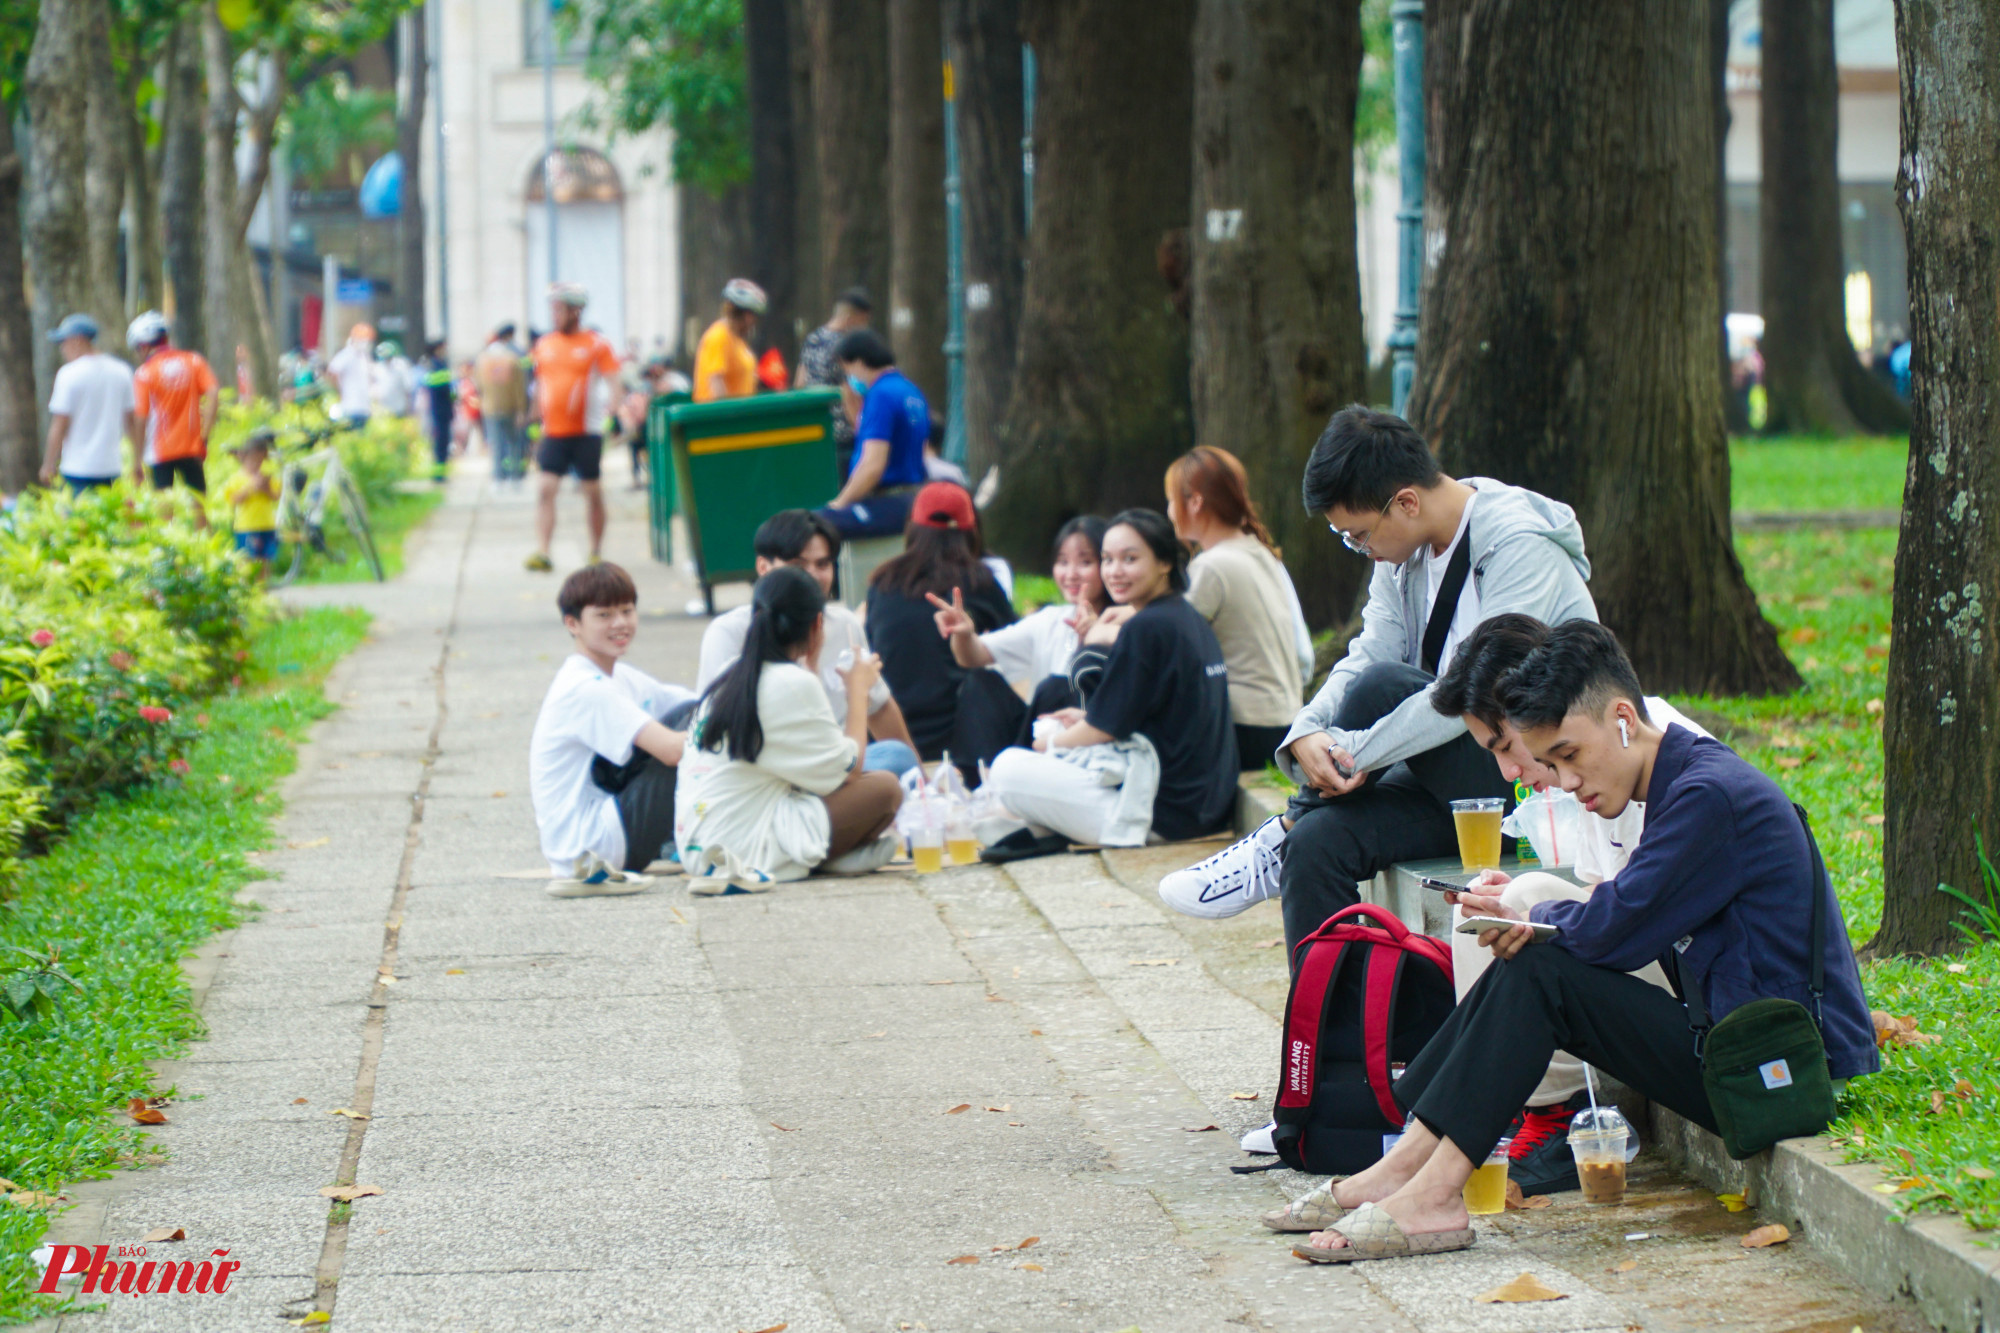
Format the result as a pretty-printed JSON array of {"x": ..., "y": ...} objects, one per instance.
[
  {"x": 570, "y": 293},
  {"x": 745, "y": 295},
  {"x": 388, "y": 350},
  {"x": 146, "y": 330}
]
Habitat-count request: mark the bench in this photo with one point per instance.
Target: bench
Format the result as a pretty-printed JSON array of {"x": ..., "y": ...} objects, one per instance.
[{"x": 860, "y": 557}]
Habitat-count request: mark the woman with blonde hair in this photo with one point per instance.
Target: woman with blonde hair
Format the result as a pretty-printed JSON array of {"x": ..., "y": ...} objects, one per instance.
[{"x": 1239, "y": 585}]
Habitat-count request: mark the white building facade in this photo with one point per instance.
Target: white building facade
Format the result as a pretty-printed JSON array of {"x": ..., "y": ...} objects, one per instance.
[{"x": 616, "y": 215}]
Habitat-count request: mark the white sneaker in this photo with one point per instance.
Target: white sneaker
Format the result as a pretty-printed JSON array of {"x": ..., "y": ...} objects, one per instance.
[
  {"x": 865, "y": 859},
  {"x": 1260, "y": 1141},
  {"x": 1239, "y": 876}
]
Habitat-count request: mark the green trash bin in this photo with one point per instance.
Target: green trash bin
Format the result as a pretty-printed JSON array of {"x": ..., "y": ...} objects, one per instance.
[
  {"x": 662, "y": 496},
  {"x": 740, "y": 460}
]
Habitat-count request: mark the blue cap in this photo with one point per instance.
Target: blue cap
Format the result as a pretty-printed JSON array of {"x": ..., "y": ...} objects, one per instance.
[{"x": 74, "y": 326}]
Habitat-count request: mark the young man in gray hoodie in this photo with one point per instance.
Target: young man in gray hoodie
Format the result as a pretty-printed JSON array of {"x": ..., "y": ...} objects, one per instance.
[{"x": 1377, "y": 766}]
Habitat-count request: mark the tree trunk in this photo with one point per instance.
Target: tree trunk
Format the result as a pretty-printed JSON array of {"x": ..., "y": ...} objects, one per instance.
[
  {"x": 812, "y": 298},
  {"x": 1813, "y": 381},
  {"x": 917, "y": 296},
  {"x": 774, "y": 183},
  {"x": 20, "y": 440},
  {"x": 58, "y": 255},
  {"x": 1100, "y": 403},
  {"x": 142, "y": 268},
  {"x": 106, "y": 115},
  {"x": 1735, "y": 409},
  {"x": 714, "y": 248},
  {"x": 1277, "y": 343},
  {"x": 225, "y": 302},
  {"x": 985, "y": 38},
  {"x": 183, "y": 200},
  {"x": 850, "y": 77},
  {"x": 410, "y": 79},
  {"x": 1942, "y": 768},
  {"x": 1568, "y": 335}
]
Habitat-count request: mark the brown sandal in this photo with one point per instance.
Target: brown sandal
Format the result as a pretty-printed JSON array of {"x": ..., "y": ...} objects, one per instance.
[{"x": 1371, "y": 1233}]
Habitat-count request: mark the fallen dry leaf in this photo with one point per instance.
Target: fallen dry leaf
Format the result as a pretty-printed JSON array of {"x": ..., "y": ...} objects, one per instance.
[
  {"x": 1733, "y": 1202},
  {"x": 1937, "y": 1102},
  {"x": 937, "y": 983},
  {"x": 1198, "y": 1129},
  {"x": 882, "y": 1033},
  {"x": 498, "y": 795},
  {"x": 1627, "y": 1266},
  {"x": 1773, "y": 1233},
  {"x": 1789, "y": 761},
  {"x": 1002, "y": 1109},
  {"x": 351, "y": 1115},
  {"x": 1963, "y": 1088},
  {"x": 144, "y": 1113},
  {"x": 316, "y": 1317},
  {"x": 1034, "y": 1032},
  {"x": 775, "y": 1328},
  {"x": 1891, "y": 1030},
  {"x": 1873, "y": 705},
  {"x": 34, "y": 1198},
  {"x": 787, "y": 1129},
  {"x": 1032, "y": 1240},
  {"x": 1976, "y": 1172},
  {"x": 349, "y": 1193},
  {"x": 298, "y": 1101},
  {"x": 1954, "y": 967},
  {"x": 677, "y": 915},
  {"x": 1514, "y": 1199},
  {"x": 313, "y": 842},
  {"x": 1013, "y": 1124},
  {"x": 1875, "y": 820},
  {"x": 1913, "y": 1183},
  {"x": 1526, "y": 1287},
  {"x": 454, "y": 971},
  {"x": 1244, "y": 1096},
  {"x": 964, "y": 1259},
  {"x": 7, "y": 1186},
  {"x": 163, "y": 1233},
  {"x": 1029, "y": 1268},
  {"x": 962, "y": 1106}
]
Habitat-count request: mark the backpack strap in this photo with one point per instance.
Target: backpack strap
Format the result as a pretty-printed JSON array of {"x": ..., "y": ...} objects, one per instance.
[
  {"x": 1378, "y": 1009},
  {"x": 1437, "y": 627},
  {"x": 1304, "y": 1013}
]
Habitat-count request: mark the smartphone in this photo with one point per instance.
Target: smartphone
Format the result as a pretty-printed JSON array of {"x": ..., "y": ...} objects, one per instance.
[
  {"x": 1345, "y": 770},
  {"x": 1442, "y": 885},
  {"x": 1479, "y": 925}
]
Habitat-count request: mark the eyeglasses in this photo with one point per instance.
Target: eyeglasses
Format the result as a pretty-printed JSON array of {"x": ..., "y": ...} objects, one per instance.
[{"x": 1360, "y": 547}]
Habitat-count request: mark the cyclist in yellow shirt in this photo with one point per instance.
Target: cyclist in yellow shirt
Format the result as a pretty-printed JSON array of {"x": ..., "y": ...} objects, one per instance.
[
  {"x": 723, "y": 364},
  {"x": 252, "y": 497}
]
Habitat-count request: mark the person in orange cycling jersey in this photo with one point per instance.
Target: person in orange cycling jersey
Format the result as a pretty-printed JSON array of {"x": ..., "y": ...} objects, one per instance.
[
  {"x": 565, "y": 360},
  {"x": 175, "y": 393},
  {"x": 724, "y": 366}
]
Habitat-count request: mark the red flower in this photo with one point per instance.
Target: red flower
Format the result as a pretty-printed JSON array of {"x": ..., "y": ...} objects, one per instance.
[
  {"x": 42, "y": 638},
  {"x": 179, "y": 766},
  {"x": 154, "y": 713},
  {"x": 122, "y": 660}
]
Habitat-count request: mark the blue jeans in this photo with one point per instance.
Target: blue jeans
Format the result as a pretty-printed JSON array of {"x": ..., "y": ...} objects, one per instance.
[
  {"x": 78, "y": 485},
  {"x": 878, "y": 515},
  {"x": 888, "y": 757},
  {"x": 508, "y": 439},
  {"x": 258, "y": 545}
]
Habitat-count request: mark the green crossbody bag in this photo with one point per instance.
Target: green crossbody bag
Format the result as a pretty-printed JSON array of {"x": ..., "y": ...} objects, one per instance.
[{"x": 1764, "y": 1065}]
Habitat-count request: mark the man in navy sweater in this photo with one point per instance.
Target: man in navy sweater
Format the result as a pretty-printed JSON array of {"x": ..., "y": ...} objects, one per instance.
[{"x": 1719, "y": 891}]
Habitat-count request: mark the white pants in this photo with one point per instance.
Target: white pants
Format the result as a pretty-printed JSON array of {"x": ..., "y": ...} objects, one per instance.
[
  {"x": 1469, "y": 962},
  {"x": 1052, "y": 796}
]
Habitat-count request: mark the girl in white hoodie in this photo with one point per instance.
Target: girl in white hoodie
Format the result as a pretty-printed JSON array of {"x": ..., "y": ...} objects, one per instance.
[{"x": 771, "y": 789}]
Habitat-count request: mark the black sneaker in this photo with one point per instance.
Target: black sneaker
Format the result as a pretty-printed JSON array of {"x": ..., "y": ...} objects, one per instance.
[
  {"x": 1539, "y": 1160},
  {"x": 1021, "y": 845}
]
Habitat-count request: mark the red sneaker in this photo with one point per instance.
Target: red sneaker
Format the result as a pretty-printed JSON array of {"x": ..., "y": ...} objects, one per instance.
[{"x": 1539, "y": 1159}]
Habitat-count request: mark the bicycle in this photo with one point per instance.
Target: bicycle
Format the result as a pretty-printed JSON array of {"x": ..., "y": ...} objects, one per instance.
[{"x": 303, "y": 501}]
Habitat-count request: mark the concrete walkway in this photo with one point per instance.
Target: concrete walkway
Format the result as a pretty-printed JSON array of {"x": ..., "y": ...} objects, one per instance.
[{"x": 736, "y": 1114}]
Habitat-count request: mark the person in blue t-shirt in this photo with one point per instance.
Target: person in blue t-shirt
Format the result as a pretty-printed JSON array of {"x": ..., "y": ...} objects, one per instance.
[{"x": 888, "y": 464}]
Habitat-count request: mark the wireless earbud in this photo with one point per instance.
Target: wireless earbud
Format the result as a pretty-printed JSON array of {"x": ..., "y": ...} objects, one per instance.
[{"x": 1624, "y": 735}]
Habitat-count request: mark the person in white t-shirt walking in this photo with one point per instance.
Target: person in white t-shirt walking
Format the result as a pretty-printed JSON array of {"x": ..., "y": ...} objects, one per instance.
[
  {"x": 90, "y": 410},
  {"x": 353, "y": 370}
]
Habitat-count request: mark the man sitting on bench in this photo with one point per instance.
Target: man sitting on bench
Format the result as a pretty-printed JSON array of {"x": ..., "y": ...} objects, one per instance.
[{"x": 1722, "y": 883}]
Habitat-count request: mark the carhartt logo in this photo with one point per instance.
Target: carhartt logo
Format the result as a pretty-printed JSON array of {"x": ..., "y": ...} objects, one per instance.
[
  {"x": 1298, "y": 1067},
  {"x": 1776, "y": 1074},
  {"x": 131, "y": 1273}
]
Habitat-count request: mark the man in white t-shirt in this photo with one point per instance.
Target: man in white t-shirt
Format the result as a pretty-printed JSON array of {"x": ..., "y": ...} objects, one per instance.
[
  {"x": 602, "y": 763},
  {"x": 90, "y": 410},
  {"x": 353, "y": 370},
  {"x": 804, "y": 538}
]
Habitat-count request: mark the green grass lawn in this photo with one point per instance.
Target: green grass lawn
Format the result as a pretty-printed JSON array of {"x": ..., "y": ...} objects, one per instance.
[
  {"x": 135, "y": 885},
  {"x": 390, "y": 521},
  {"x": 1790, "y": 473}
]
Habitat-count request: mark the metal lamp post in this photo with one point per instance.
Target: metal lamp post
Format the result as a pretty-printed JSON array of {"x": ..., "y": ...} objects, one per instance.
[
  {"x": 954, "y": 232},
  {"x": 1407, "y": 18}
]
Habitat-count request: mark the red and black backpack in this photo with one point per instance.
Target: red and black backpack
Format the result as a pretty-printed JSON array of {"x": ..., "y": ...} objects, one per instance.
[{"x": 1367, "y": 992}]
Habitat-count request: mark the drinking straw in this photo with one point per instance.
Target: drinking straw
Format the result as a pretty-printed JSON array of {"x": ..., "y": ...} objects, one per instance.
[
  {"x": 1556, "y": 859},
  {"x": 1590, "y": 1086}
]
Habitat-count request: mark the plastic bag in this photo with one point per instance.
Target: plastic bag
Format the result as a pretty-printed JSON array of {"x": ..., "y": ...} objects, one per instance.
[{"x": 1552, "y": 822}]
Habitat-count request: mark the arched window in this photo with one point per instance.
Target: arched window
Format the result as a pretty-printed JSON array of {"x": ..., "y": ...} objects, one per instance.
[{"x": 590, "y": 235}]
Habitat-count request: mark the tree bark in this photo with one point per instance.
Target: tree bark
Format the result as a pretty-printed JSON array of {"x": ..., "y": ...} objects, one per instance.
[
  {"x": 142, "y": 267},
  {"x": 917, "y": 297},
  {"x": 224, "y": 302},
  {"x": 183, "y": 196},
  {"x": 1813, "y": 381},
  {"x": 767, "y": 48},
  {"x": 1277, "y": 342},
  {"x": 1942, "y": 768},
  {"x": 850, "y": 77},
  {"x": 715, "y": 247},
  {"x": 812, "y": 299},
  {"x": 20, "y": 440},
  {"x": 985, "y": 38},
  {"x": 106, "y": 115},
  {"x": 1568, "y": 335},
  {"x": 411, "y": 77},
  {"x": 1100, "y": 402},
  {"x": 57, "y": 254}
]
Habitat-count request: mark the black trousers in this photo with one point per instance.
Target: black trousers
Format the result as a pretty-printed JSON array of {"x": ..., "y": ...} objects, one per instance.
[
  {"x": 1256, "y": 745},
  {"x": 1476, "y": 1073},
  {"x": 643, "y": 787},
  {"x": 991, "y": 716},
  {"x": 1402, "y": 814}
]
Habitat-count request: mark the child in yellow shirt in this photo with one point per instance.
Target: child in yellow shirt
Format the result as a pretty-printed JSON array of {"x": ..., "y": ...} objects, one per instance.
[{"x": 252, "y": 496}]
